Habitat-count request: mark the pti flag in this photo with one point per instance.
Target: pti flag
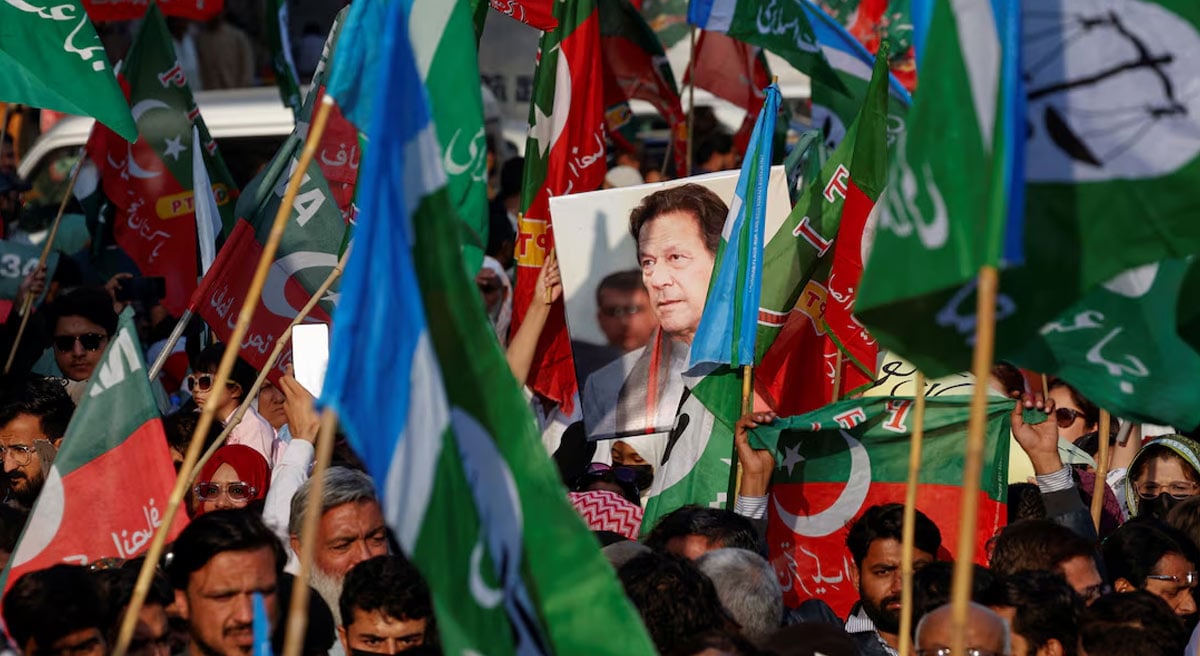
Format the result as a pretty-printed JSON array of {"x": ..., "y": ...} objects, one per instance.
[
  {"x": 465, "y": 482},
  {"x": 535, "y": 13},
  {"x": 149, "y": 182},
  {"x": 51, "y": 57},
  {"x": 876, "y": 23},
  {"x": 565, "y": 153},
  {"x": 115, "y": 10},
  {"x": 836, "y": 462},
  {"x": 105, "y": 495}
]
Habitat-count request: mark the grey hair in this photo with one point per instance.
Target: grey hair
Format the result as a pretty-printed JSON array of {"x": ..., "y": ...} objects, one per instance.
[
  {"x": 972, "y": 607},
  {"x": 748, "y": 589},
  {"x": 342, "y": 485}
]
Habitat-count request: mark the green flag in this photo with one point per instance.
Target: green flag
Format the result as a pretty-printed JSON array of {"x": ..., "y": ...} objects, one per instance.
[
  {"x": 1188, "y": 308},
  {"x": 278, "y": 40},
  {"x": 1119, "y": 347},
  {"x": 112, "y": 476},
  {"x": 51, "y": 57},
  {"x": 1103, "y": 193},
  {"x": 837, "y": 461},
  {"x": 443, "y": 39}
]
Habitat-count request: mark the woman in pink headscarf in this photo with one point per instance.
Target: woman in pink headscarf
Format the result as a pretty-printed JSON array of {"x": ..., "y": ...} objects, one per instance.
[{"x": 234, "y": 477}]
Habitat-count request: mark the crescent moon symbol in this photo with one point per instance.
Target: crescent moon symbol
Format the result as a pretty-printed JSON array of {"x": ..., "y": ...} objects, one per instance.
[
  {"x": 282, "y": 270},
  {"x": 138, "y": 109},
  {"x": 484, "y": 596},
  {"x": 845, "y": 507}
]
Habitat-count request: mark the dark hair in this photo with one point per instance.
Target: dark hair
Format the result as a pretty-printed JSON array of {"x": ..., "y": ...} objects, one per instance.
[
  {"x": 320, "y": 631},
  {"x": 932, "y": 583},
  {"x": 1046, "y": 608},
  {"x": 1036, "y": 544},
  {"x": 699, "y": 201},
  {"x": 1025, "y": 502},
  {"x": 388, "y": 584},
  {"x": 44, "y": 398},
  {"x": 512, "y": 172},
  {"x": 1091, "y": 413},
  {"x": 1131, "y": 623},
  {"x": 676, "y": 601},
  {"x": 209, "y": 360},
  {"x": 886, "y": 522},
  {"x": 1132, "y": 551},
  {"x": 713, "y": 144},
  {"x": 217, "y": 532},
  {"x": 49, "y": 604},
  {"x": 629, "y": 280},
  {"x": 115, "y": 586},
  {"x": 91, "y": 303},
  {"x": 180, "y": 426},
  {"x": 722, "y": 528},
  {"x": 1185, "y": 517},
  {"x": 1009, "y": 376}
]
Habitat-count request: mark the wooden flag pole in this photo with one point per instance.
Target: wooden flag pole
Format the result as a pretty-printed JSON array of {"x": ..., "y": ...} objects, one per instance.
[
  {"x": 245, "y": 314},
  {"x": 908, "y": 529},
  {"x": 964, "y": 556},
  {"x": 837, "y": 376},
  {"x": 27, "y": 302},
  {"x": 276, "y": 353},
  {"x": 747, "y": 407},
  {"x": 1100, "y": 486},
  {"x": 297, "y": 620},
  {"x": 691, "y": 114}
]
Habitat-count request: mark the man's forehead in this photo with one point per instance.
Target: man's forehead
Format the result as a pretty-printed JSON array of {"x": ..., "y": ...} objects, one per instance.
[
  {"x": 22, "y": 429},
  {"x": 380, "y": 624},
  {"x": 670, "y": 227}
]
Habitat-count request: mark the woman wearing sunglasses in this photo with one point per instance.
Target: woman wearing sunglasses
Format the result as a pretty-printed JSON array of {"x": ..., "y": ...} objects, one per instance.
[
  {"x": 253, "y": 431},
  {"x": 235, "y": 476},
  {"x": 1165, "y": 472}
]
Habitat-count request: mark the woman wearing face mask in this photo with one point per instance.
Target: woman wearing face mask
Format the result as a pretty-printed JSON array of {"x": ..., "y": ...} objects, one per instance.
[{"x": 1163, "y": 473}]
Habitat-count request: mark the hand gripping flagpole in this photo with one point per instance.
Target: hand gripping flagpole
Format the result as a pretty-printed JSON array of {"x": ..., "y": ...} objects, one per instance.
[
  {"x": 27, "y": 302},
  {"x": 908, "y": 530},
  {"x": 297, "y": 620},
  {"x": 964, "y": 555},
  {"x": 284, "y": 339},
  {"x": 245, "y": 314},
  {"x": 1100, "y": 485}
]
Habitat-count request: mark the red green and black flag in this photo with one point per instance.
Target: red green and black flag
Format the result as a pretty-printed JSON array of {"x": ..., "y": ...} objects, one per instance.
[
  {"x": 565, "y": 154},
  {"x": 836, "y": 462},
  {"x": 106, "y": 493},
  {"x": 149, "y": 182}
]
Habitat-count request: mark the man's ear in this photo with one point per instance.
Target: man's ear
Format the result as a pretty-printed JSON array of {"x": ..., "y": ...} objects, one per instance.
[
  {"x": 343, "y": 638},
  {"x": 181, "y": 603},
  {"x": 294, "y": 541},
  {"x": 1123, "y": 585},
  {"x": 854, "y": 573}
]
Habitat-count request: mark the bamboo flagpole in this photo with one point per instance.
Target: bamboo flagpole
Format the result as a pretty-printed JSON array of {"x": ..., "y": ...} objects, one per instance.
[
  {"x": 1100, "y": 486},
  {"x": 964, "y": 555},
  {"x": 276, "y": 353},
  {"x": 245, "y": 314},
  {"x": 908, "y": 529},
  {"x": 27, "y": 302},
  {"x": 297, "y": 620},
  {"x": 837, "y": 376}
]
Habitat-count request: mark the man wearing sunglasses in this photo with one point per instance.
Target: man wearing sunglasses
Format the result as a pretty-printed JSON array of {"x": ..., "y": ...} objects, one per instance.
[{"x": 81, "y": 323}]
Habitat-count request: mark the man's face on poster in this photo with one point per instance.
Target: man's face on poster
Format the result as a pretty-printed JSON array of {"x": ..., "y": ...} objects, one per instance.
[
  {"x": 676, "y": 268},
  {"x": 625, "y": 318}
]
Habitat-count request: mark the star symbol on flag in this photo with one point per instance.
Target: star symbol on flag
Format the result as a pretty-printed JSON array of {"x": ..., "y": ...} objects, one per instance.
[
  {"x": 542, "y": 129},
  {"x": 174, "y": 147},
  {"x": 791, "y": 458}
]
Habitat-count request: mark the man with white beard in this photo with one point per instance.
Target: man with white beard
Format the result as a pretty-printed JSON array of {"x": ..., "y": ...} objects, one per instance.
[{"x": 351, "y": 530}]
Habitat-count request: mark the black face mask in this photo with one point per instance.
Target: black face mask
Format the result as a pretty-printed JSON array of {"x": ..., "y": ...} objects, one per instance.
[
  {"x": 1158, "y": 507},
  {"x": 643, "y": 476}
]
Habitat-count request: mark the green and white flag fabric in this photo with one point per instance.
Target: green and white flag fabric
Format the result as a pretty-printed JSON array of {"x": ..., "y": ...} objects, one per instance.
[
  {"x": 280, "y": 43},
  {"x": 443, "y": 38},
  {"x": 1188, "y": 308},
  {"x": 104, "y": 496},
  {"x": 1119, "y": 347},
  {"x": 1103, "y": 192},
  {"x": 51, "y": 57},
  {"x": 443, "y": 427}
]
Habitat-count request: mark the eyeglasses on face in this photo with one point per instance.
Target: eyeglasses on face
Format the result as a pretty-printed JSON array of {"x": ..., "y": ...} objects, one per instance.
[
  {"x": 1177, "y": 489},
  {"x": 204, "y": 382},
  {"x": 89, "y": 342},
  {"x": 1188, "y": 579},
  {"x": 237, "y": 491},
  {"x": 1064, "y": 417},
  {"x": 946, "y": 651},
  {"x": 618, "y": 311},
  {"x": 20, "y": 453}
]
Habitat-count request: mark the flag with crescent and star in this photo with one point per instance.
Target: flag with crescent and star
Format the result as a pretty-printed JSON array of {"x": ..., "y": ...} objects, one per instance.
[
  {"x": 112, "y": 476},
  {"x": 149, "y": 182},
  {"x": 834, "y": 463},
  {"x": 565, "y": 154},
  {"x": 318, "y": 229},
  {"x": 51, "y": 57},
  {"x": 443, "y": 427}
]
